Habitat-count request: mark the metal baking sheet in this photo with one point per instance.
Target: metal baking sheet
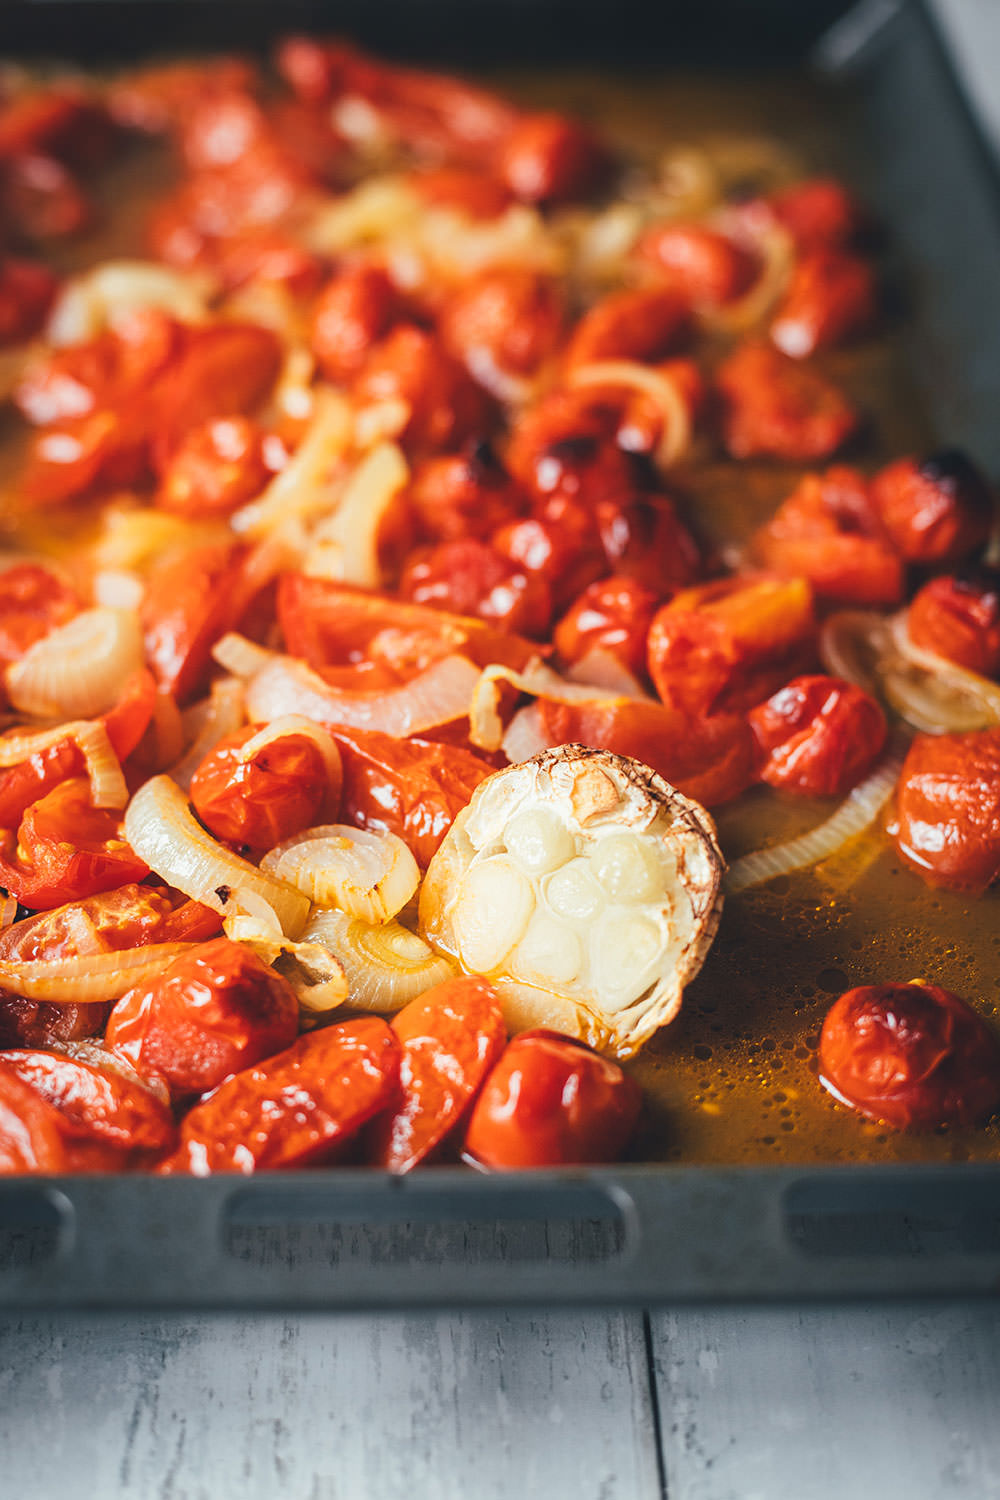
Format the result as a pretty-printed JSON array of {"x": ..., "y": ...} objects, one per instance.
[{"x": 637, "y": 1232}]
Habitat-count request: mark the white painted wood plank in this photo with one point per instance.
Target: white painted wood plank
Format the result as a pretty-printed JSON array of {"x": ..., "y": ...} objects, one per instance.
[
  {"x": 327, "y": 1408},
  {"x": 899, "y": 1402}
]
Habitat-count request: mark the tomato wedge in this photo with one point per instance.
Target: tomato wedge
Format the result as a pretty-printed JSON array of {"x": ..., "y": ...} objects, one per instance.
[{"x": 66, "y": 849}]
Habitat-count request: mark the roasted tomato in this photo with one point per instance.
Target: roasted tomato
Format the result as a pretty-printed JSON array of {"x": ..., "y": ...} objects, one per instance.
[
  {"x": 774, "y": 407},
  {"x": 818, "y": 736},
  {"x": 451, "y": 1037},
  {"x": 103, "y": 372},
  {"x": 462, "y": 495},
  {"x": 414, "y": 788},
  {"x": 938, "y": 510},
  {"x": 641, "y": 423},
  {"x": 276, "y": 791},
  {"x": 354, "y": 311},
  {"x": 502, "y": 323},
  {"x": 612, "y": 616},
  {"x": 711, "y": 759},
  {"x": 831, "y": 297},
  {"x": 912, "y": 1055},
  {"x": 66, "y": 849},
  {"x": 223, "y": 370},
  {"x": 829, "y": 532},
  {"x": 446, "y": 406},
  {"x": 550, "y": 1101},
  {"x": 211, "y": 1012},
  {"x": 473, "y": 578},
  {"x": 61, "y": 122},
  {"x": 26, "y": 292},
  {"x": 471, "y": 192},
  {"x": 644, "y": 323},
  {"x": 644, "y": 538},
  {"x": 957, "y": 616},
  {"x": 818, "y": 213},
  {"x": 31, "y": 1136},
  {"x": 562, "y": 545},
  {"x": 725, "y": 645},
  {"x": 947, "y": 820},
  {"x": 548, "y": 158},
  {"x": 565, "y": 448},
  {"x": 218, "y": 467},
  {"x": 703, "y": 265},
  {"x": 189, "y": 602},
  {"x": 132, "y": 916},
  {"x": 106, "y": 1115},
  {"x": 33, "y": 601},
  {"x": 295, "y": 1109}
]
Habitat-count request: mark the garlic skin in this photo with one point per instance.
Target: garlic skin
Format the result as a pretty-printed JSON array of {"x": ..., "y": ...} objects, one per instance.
[{"x": 586, "y": 888}]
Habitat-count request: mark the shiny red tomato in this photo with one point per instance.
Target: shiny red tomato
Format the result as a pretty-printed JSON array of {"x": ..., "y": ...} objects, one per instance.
[
  {"x": 612, "y": 616},
  {"x": 506, "y": 320},
  {"x": 222, "y": 370},
  {"x": 295, "y": 1109},
  {"x": 547, "y": 158},
  {"x": 775, "y": 407},
  {"x": 829, "y": 532},
  {"x": 475, "y": 193},
  {"x": 414, "y": 788},
  {"x": 722, "y": 646},
  {"x": 256, "y": 803},
  {"x": 98, "y": 1104},
  {"x": 700, "y": 264},
  {"x": 564, "y": 447},
  {"x": 561, "y": 546},
  {"x": 219, "y": 466},
  {"x": 912, "y": 1055},
  {"x": 210, "y": 1013},
  {"x": 644, "y": 538},
  {"x": 189, "y": 602},
  {"x": 550, "y": 1101},
  {"x": 103, "y": 372},
  {"x": 26, "y": 292},
  {"x": 474, "y": 579},
  {"x": 817, "y": 212},
  {"x": 446, "y": 406},
  {"x": 938, "y": 510},
  {"x": 957, "y": 616},
  {"x": 642, "y": 323},
  {"x": 33, "y": 601},
  {"x": 66, "y": 849},
  {"x": 451, "y": 1037},
  {"x": 31, "y": 1137},
  {"x": 354, "y": 311},
  {"x": 462, "y": 495},
  {"x": 819, "y": 736},
  {"x": 947, "y": 819},
  {"x": 830, "y": 297}
]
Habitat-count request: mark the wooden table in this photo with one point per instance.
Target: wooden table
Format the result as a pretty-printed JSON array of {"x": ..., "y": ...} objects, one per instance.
[{"x": 898, "y": 1402}]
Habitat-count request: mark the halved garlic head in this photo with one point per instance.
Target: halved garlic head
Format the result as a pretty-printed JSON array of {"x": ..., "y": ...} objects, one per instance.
[
  {"x": 369, "y": 875},
  {"x": 585, "y": 887}
]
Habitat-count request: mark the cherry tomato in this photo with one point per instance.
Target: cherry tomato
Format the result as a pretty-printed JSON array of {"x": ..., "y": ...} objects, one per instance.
[
  {"x": 775, "y": 407},
  {"x": 413, "y": 788},
  {"x": 642, "y": 323},
  {"x": 43, "y": 198},
  {"x": 26, "y": 292},
  {"x": 936, "y": 511},
  {"x": 957, "y": 616},
  {"x": 329, "y": 624},
  {"x": 60, "y": 122},
  {"x": 723, "y": 646},
  {"x": 354, "y": 311},
  {"x": 947, "y": 820},
  {"x": 257, "y": 803},
  {"x": 33, "y": 601},
  {"x": 66, "y": 849},
  {"x": 818, "y": 212},
  {"x": 505, "y": 319},
  {"x": 700, "y": 264},
  {"x": 711, "y": 759},
  {"x": 31, "y": 1138},
  {"x": 550, "y": 1101},
  {"x": 222, "y": 370},
  {"x": 218, "y": 467},
  {"x": 446, "y": 406},
  {"x": 189, "y": 602},
  {"x": 612, "y": 616},
  {"x": 473, "y": 578},
  {"x": 220, "y": 127},
  {"x": 472, "y": 192},
  {"x": 640, "y": 426},
  {"x": 644, "y": 538},
  {"x": 462, "y": 495},
  {"x": 829, "y": 532},
  {"x": 561, "y": 545},
  {"x": 819, "y": 735},
  {"x": 550, "y": 159},
  {"x": 830, "y": 297},
  {"x": 211, "y": 1012},
  {"x": 565, "y": 447},
  {"x": 295, "y": 1109},
  {"x": 263, "y": 255},
  {"x": 912, "y": 1055},
  {"x": 451, "y": 1037},
  {"x": 100, "y": 1105},
  {"x": 156, "y": 98},
  {"x": 102, "y": 372},
  {"x": 131, "y": 916}
]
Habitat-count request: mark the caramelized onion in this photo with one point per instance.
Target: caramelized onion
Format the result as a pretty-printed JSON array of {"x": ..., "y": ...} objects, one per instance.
[
  {"x": 80, "y": 668},
  {"x": 99, "y": 298},
  {"x": 307, "y": 485},
  {"x": 344, "y": 546},
  {"x": 777, "y": 251},
  {"x": 90, "y": 979},
  {"x": 369, "y": 875},
  {"x": 386, "y": 966},
  {"x": 675, "y": 439},
  {"x": 486, "y": 728},
  {"x": 220, "y": 714},
  {"x": 435, "y": 696}
]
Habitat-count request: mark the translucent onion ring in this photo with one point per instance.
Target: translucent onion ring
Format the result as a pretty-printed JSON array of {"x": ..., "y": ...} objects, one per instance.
[
  {"x": 675, "y": 439},
  {"x": 86, "y": 980}
]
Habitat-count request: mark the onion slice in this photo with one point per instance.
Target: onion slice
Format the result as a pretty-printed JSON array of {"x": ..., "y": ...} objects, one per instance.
[
  {"x": 101, "y": 297},
  {"x": 162, "y": 830},
  {"x": 675, "y": 439},
  {"x": 220, "y": 714},
  {"x": 317, "y": 978},
  {"x": 369, "y": 875},
  {"x": 94, "y": 977},
  {"x": 486, "y": 726},
  {"x": 856, "y": 813},
  {"x": 306, "y": 486},
  {"x": 107, "y": 782},
  {"x": 777, "y": 250},
  {"x": 439, "y": 694},
  {"x": 344, "y": 545},
  {"x": 386, "y": 966},
  {"x": 80, "y": 668}
]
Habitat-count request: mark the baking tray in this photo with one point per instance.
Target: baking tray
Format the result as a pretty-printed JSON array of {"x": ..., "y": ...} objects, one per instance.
[{"x": 353, "y": 1238}]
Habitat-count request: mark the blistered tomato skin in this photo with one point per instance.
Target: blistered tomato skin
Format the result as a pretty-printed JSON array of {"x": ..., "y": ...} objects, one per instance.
[
  {"x": 66, "y": 849},
  {"x": 550, "y": 159},
  {"x": 102, "y": 1110},
  {"x": 819, "y": 736},
  {"x": 913, "y": 1056},
  {"x": 775, "y": 407},
  {"x": 446, "y": 406},
  {"x": 937, "y": 510},
  {"x": 355, "y": 310},
  {"x": 550, "y": 1102},
  {"x": 258, "y": 802},
  {"x": 218, "y": 467},
  {"x": 462, "y": 495},
  {"x": 211, "y": 1012},
  {"x": 831, "y": 297},
  {"x": 701, "y": 264},
  {"x": 613, "y": 616},
  {"x": 503, "y": 320},
  {"x": 957, "y": 616},
  {"x": 947, "y": 819},
  {"x": 646, "y": 323}
]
